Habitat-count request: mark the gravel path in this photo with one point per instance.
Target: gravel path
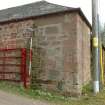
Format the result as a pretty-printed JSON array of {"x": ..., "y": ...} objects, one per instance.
[{"x": 10, "y": 99}]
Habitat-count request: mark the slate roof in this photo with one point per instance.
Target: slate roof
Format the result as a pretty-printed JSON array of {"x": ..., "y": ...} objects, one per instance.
[{"x": 36, "y": 9}]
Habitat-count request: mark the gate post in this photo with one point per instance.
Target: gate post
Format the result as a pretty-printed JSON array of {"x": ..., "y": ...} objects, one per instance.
[{"x": 23, "y": 67}]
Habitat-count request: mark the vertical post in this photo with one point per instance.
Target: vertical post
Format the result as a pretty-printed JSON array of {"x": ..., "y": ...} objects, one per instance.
[
  {"x": 23, "y": 67},
  {"x": 4, "y": 65},
  {"x": 30, "y": 62},
  {"x": 95, "y": 46}
]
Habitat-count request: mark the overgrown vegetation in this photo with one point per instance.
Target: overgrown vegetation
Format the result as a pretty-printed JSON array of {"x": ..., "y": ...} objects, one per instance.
[
  {"x": 87, "y": 89},
  {"x": 87, "y": 99},
  {"x": 30, "y": 93}
]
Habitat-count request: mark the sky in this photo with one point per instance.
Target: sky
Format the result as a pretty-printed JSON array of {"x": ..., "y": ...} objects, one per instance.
[{"x": 85, "y": 5}]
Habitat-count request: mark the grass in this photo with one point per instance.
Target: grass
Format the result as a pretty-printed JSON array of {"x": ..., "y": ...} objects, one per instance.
[{"x": 87, "y": 99}]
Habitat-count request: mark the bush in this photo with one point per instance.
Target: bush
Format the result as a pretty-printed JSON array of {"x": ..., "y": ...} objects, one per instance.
[{"x": 87, "y": 89}]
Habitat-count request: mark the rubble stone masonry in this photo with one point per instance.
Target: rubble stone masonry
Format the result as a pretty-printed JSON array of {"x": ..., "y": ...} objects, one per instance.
[{"x": 61, "y": 50}]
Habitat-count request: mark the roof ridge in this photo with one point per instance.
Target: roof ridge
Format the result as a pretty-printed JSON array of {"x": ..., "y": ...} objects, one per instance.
[
  {"x": 27, "y": 4},
  {"x": 23, "y": 5},
  {"x": 58, "y": 4}
]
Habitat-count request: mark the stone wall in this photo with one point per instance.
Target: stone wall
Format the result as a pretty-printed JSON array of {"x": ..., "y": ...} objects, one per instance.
[
  {"x": 84, "y": 53},
  {"x": 59, "y": 49},
  {"x": 70, "y": 54},
  {"x": 50, "y": 36},
  {"x": 14, "y": 35}
]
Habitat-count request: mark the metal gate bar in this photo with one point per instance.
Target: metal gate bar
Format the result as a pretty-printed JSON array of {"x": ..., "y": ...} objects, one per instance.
[
  {"x": 22, "y": 71},
  {"x": 23, "y": 67}
]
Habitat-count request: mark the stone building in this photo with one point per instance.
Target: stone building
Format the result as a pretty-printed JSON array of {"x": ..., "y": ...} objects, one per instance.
[{"x": 61, "y": 44}]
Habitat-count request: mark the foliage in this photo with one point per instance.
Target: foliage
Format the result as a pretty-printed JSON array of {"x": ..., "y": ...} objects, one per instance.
[
  {"x": 30, "y": 93},
  {"x": 87, "y": 89},
  {"x": 88, "y": 99}
]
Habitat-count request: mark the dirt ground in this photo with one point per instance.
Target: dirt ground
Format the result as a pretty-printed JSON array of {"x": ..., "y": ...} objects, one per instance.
[{"x": 10, "y": 99}]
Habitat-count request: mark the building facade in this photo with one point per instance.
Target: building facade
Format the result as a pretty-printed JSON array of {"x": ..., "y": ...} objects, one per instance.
[{"x": 61, "y": 44}]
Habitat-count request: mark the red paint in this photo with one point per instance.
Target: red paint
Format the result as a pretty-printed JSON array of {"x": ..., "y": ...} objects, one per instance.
[
  {"x": 23, "y": 67},
  {"x": 4, "y": 74}
]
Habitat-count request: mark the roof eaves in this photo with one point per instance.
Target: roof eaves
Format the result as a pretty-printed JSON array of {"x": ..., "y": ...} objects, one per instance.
[
  {"x": 78, "y": 10},
  {"x": 41, "y": 15},
  {"x": 84, "y": 18}
]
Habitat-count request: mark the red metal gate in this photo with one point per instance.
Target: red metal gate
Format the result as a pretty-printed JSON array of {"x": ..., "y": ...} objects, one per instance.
[{"x": 13, "y": 65}]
